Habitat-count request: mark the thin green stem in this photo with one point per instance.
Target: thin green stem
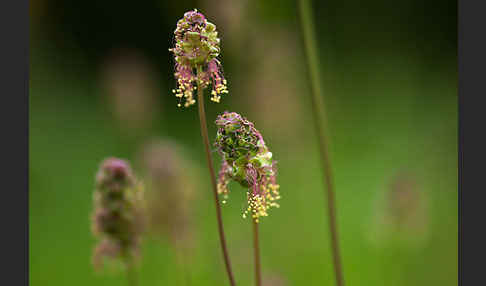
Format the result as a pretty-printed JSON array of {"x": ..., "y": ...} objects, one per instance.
[
  {"x": 307, "y": 26},
  {"x": 181, "y": 265},
  {"x": 204, "y": 134},
  {"x": 130, "y": 271},
  {"x": 256, "y": 254},
  {"x": 180, "y": 253}
]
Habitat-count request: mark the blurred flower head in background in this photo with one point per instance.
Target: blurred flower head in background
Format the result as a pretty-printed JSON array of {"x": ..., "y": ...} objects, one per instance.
[
  {"x": 130, "y": 82},
  {"x": 195, "y": 51},
  {"x": 170, "y": 191},
  {"x": 274, "y": 279},
  {"x": 247, "y": 160},
  {"x": 117, "y": 218},
  {"x": 274, "y": 85},
  {"x": 273, "y": 74},
  {"x": 402, "y": 215},
  {"x": 230, "y": 15}
]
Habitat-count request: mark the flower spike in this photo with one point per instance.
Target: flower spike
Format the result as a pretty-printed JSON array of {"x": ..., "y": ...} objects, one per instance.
[
  {"x": 247, "y": 160},
  {"x": 117, "y": 219},
  {"x": 196, "y": 49}
]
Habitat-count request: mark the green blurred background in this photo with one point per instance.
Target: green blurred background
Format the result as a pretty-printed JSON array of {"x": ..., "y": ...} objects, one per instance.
[{"x": 100, "y": 85}]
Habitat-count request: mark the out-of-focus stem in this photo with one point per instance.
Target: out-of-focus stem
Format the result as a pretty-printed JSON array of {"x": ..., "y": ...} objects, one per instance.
[
  {"x": 308, "y": 30},
  {"x": 256, "y": 254},
  {"x": 180, "y": 254},
  {"x": 130, "y": 270},
  {"x": 204, "y": 134}
]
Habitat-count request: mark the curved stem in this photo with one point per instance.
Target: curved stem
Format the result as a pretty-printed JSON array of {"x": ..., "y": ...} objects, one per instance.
[
  {"x": 307, "y": 26},
  {"x": 204, "y": 134},
  {"x": 256, "y": 249}
]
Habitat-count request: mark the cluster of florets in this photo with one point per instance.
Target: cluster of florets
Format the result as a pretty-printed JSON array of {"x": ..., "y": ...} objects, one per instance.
[
  {"x": 169, "y": 191},
  {"x": 195, "y": 51},
  {"x": 117, "y": 219},
  {"x": 247, "y": 160}
]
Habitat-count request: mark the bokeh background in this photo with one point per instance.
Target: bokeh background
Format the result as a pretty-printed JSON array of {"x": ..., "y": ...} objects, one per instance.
[{"x": 100, "y": 85}]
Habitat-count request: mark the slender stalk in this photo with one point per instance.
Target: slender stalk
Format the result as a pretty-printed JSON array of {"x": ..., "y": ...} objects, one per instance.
[
  {"x": 204, "y": 134},
  {"x": 307, "y": 26},
  {"x": 256, "y": 249},
  {"x": 180, "y": 254},
  {"x": 184, "y": 278},
  {"x": 131, "y": 277},
  {"x": 131, "y": 274}
]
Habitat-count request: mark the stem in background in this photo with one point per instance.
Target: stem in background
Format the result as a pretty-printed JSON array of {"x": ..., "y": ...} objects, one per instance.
[
  {"x": 131, "y": 274},
  {"x": 204, "y": 134},
  {"x": 180, "y": 253},
  {"x": 256, "y": 249},
  {"x": 307, "y": 26},
  {"x": 182, "y": 267}
]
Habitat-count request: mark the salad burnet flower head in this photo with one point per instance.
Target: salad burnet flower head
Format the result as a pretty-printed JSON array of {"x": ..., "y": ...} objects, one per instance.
[
  {"x": 195, "y": 50},
  {"x": 248, "y": 161}
]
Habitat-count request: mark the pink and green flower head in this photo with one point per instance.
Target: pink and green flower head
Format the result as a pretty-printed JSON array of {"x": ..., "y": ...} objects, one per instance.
[
  {"x": 116, "y": 218},
  {"x": 246, "y": 160},
  {"x": 196, "y": 49},
  {"x": 114, "y": 175}
]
